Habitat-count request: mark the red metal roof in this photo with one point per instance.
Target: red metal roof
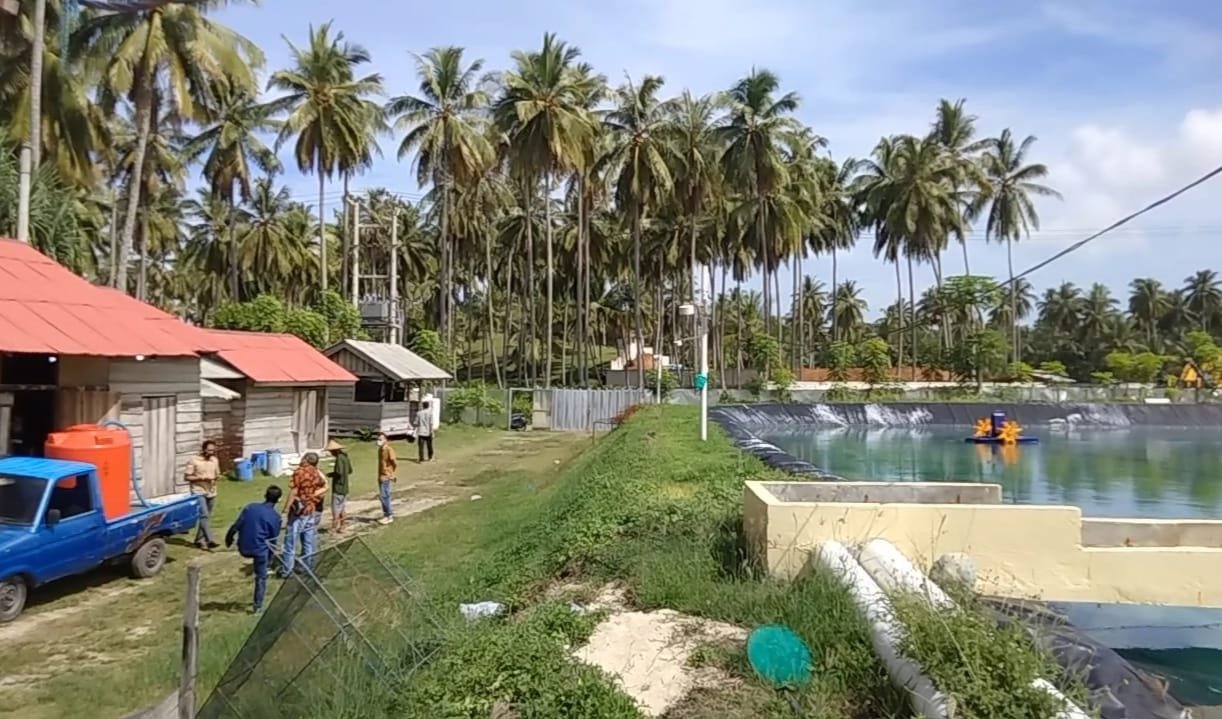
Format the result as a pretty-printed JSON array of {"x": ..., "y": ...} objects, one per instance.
[
  {"x": 277, "y": 358},
  {"x": 46, "y": 309}
]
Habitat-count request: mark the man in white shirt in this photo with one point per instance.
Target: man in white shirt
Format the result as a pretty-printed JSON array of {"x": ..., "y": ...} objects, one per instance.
[{"x": 424, "y": 432}]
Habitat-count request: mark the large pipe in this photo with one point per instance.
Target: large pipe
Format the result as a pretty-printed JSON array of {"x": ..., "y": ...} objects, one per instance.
[
  {"x": 885, "y": 632},
  {"x": 894, "y": 573}
]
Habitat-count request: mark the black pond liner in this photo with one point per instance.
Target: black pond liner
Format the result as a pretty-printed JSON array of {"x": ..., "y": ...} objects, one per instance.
[{"x": 1118, "y": 689}]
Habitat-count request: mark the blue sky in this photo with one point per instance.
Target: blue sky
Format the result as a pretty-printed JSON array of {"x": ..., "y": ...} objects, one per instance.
[{"x": 1124, "y": 95}]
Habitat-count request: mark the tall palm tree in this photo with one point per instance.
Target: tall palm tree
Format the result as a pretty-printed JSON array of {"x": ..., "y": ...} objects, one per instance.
[
  {"x": 174, "y": 51},
  {"x": 1012, "y": 186},
  {"x": 232, "y": 144},
  {"x": 955, "y": 130},
  {"x": 1203, "y": 290},
  {"x": 639, "y": 161},
  {"x": 840, "y": 213},
  {"x": 1148, "y": 302},
  {"x": 443, "y": 123},
  {"x": 752, "y": 160},
  {"x": 328, "y": 110},
  {"x": 541, "y": 114}
]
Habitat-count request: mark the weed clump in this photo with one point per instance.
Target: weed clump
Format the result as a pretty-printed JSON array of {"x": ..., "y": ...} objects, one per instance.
[{"x": 987, "y": 668}]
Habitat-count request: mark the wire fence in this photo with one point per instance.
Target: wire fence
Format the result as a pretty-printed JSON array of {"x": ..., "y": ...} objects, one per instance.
[{"x": 330, "y": 638}]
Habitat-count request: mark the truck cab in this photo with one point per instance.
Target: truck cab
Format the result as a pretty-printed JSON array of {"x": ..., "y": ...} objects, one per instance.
[{"x": 52, "y": 526}]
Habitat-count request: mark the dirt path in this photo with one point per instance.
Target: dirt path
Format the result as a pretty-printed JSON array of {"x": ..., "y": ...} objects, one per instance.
[{"x": 109, "y": 619}]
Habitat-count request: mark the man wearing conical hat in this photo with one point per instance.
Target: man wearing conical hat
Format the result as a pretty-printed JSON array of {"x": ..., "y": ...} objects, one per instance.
[{"x": 339, "y": 486}]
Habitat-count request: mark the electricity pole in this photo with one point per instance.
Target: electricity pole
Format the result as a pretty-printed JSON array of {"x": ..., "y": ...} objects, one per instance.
[{"x": 394, "y": 276}]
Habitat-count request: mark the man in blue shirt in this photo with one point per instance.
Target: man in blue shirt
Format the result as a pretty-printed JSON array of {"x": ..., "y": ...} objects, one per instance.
[{"x": 257, "y": 528}]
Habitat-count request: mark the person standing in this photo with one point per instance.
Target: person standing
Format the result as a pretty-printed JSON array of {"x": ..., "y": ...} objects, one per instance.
[
  {"x": 201, "y": 476},
  {"x": 340, "y": 473},
  {"x": 257, "y": 528},
  {"x": 307, "y": 490},
  {"x": 424, "y": 432},
  {"x": 388, "y": 467}
]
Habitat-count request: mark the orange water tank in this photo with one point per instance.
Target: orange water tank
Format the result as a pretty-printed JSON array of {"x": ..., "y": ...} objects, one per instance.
[{"x": 107, "y": 448}]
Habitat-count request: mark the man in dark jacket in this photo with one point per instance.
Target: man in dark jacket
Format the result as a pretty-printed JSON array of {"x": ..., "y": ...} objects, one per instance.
[{"x": 257, "y": 528}]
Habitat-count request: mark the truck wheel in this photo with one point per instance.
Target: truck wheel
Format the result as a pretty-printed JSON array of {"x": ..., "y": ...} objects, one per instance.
[
  {"x": 148, "y": 559},
  {"x": 13, "y": 592}
]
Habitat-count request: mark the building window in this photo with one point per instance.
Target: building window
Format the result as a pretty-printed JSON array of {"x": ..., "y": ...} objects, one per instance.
[{"x": 376, "y": 391}]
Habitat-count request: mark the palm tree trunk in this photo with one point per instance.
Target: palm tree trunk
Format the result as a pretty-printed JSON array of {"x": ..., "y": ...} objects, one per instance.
[
  {"x": 144, "y": 126},
  {"x": 509, "y": 295},
  {"x": 582, "y": 308},
  {"x": 345, "y": 230},
  {"x": 799, "y": 315},
  {"x": 142, "y": 272},
  {"x": 530, "y": 286},
  {"x": 564, "y": 344},
  {"x": 835, "y": 324},
  {"x": 899, "y": 312},
  {"x": 1017, "y": 352},
  {"x": 447, "y": 277},
  {"x": 235, "y": 279},
  {"x": 720, "y": 324},
  {"x": 912, "y": 318},
  {"x": 551, "y": 269},
  {"x": 322, "y": 229},
  {"x": 967, "y": 268},
  {"x": 636, "y": 302},
  {"x": 496, "y": 367},
  {"x": 759, "y": 231},
  {"x": 776, "y": 285},
  {"x": 738, "y": 330}
]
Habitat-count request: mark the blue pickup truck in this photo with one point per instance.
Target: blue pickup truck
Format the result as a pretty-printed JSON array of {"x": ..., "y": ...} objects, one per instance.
[{"x": 52, "y": 526}]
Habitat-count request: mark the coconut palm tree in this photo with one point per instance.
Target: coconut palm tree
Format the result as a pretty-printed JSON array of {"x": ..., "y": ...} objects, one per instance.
[
  {"x": 1012, "y": 186},
  {"x": 232, "y": 143},
  {"x": 541, "y": 114},
  {"x": 443, "y": 123},
  {"x": 849, "y": 308},
  {"x": 173, "y": 51},
  {"x": 1203, "y": 290},
  {"x": 1148, "y": 302},
  {"x": 328, "y": 111},
  {"x": 840, "y": 214},
  {"x": 638, "y": 164},
  {"x": 752, "y": 159},
  {"x": 955, "y": 131}
]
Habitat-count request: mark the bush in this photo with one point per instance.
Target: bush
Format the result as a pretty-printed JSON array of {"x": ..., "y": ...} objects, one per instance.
[
  {"x": 483, "y": 398},
  {"x": 756, "y": 385},
  {"x": 669, "y": 382},
  {"x": 782, "y": 381}
]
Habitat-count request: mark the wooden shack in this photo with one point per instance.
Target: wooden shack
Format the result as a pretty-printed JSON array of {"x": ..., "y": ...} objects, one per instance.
[
  {"x": 283, "y": 385},
  {"x": 73, "y": 353},
  {"x": 383, "y": 397}
]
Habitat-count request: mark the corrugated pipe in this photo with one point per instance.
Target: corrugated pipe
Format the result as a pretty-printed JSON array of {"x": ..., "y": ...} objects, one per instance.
[
  {"x": 885, "y": 632},
  {"x": 893, "y": 572}
]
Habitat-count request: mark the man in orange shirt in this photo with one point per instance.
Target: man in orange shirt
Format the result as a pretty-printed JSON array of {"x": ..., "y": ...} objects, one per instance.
[
  {"x": 388, "y": 465},
  {"x": 304, "y": 511}
]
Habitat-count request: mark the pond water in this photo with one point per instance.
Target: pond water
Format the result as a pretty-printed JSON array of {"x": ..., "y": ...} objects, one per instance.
[{"x": 1129, "y": 472}]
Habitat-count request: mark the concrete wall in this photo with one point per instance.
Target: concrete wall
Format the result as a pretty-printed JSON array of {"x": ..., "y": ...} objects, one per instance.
[{"x": 1032, "y": 552}]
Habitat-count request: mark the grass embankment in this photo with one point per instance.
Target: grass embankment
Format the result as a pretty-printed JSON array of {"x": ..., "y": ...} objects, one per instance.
[{"x": 655, "y": 510}]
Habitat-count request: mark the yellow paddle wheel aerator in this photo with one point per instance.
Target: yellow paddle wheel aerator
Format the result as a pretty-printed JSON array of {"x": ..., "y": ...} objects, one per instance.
[
  {"x": 1010, "y": 432},
  {"x": 984, "y": 428}
]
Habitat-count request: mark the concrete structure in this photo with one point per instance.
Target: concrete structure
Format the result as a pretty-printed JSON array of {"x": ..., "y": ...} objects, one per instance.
[
  {"x": 1021, "y": 551},
  {"x": 381, "y": 400}
]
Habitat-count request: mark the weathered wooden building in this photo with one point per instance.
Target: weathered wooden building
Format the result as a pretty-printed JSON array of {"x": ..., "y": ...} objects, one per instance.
[
  {"x": 388, "y": 379},
  {"x": 73, "y": 353},
  {"x": 283, "y": 385}
]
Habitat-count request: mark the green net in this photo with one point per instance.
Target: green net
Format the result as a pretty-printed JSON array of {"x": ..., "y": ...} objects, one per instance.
[{"x": 328, "y": 640}]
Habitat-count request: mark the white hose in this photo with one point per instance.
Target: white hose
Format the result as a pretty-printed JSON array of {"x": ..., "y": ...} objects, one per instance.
[
  {"x": 893, "y": 572},
  {"x": 885, "y": 632}
]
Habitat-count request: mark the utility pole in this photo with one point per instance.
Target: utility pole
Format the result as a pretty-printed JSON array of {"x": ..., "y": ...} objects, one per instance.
[
  {"x": 356, "y": 253},
  {"x": 394, "y": 276}
]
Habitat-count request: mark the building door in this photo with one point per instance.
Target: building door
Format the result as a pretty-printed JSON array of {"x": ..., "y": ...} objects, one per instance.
[
  {"x": 306, "y": 417},
  {"x": 158, "y": 466}
]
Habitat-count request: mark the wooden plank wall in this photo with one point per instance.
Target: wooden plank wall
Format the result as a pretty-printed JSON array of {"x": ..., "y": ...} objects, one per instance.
[
  {"x": 267, "y": 419},
  {"x": 161, "y": 377},
  {"x": 350, "y": 418}
]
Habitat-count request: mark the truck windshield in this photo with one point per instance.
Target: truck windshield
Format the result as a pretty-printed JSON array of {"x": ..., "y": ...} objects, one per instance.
[{"x": 19, "y": 498}]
